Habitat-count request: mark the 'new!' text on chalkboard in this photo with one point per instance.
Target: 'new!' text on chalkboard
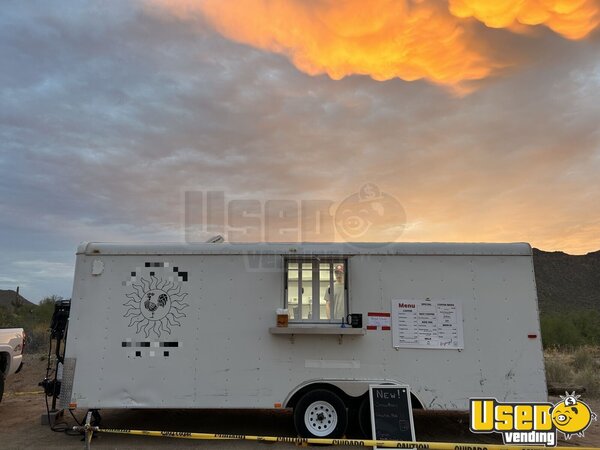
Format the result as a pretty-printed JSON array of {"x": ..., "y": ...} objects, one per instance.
[{"x": 391, "y": 413}]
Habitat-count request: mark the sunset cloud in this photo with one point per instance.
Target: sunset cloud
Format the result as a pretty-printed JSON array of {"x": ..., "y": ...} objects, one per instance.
[
  {"x": 385, "y": 39},
  {"x": 571, "y": 19}
]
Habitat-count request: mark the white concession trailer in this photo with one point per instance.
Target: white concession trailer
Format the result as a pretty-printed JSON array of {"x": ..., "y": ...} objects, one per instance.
[{"x": 195, "y": 326}]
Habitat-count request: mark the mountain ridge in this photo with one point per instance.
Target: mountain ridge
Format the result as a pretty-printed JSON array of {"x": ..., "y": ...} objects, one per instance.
[
  {"x": 567, "y": 282},
  {"x": 8, "y": 296}
]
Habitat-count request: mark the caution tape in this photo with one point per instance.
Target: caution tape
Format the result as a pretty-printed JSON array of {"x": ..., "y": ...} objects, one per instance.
[
  {"x": 11, "y": 394},
  {"x": 348, "y": 442}
]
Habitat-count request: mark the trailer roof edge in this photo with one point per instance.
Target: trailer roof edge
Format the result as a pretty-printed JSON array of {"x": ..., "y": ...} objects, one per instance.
[{"x": 354, "y": 248}]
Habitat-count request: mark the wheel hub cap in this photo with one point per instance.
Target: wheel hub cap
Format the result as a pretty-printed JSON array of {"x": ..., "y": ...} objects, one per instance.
[{"x": 320, "y": 418}]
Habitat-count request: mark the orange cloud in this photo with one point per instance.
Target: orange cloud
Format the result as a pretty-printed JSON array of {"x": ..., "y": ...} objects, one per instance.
[
  {"x": 573, "y": 19},
  {"x": 385, "y": 39}
]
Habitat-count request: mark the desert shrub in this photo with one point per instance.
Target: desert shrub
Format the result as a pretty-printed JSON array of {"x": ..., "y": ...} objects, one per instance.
[
  {"x": 589, "y": 379},
  {"x": 34, "y": 319},
  {"x": 587, "y": 324},
  {"x": 38, "y": 338},
  {"x": 558, "y": 332},
  {"x": 583, "y": 358},
  {"x": 570, "y": 330},
  {"x": 574, "y": 367},
  {"x": 557, "y": 371}
]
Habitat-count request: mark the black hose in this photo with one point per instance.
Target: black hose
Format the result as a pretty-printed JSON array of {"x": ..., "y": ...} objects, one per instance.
[
  {"x": 75, "y": 419},
  {"x": 48, "y": 369},
  {"x": 64, "y": 426}
]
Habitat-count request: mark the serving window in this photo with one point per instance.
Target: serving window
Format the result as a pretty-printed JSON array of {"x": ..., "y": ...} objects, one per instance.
[{"x": 316, "y": 289}]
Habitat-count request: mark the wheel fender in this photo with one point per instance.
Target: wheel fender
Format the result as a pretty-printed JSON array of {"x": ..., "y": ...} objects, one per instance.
[{"x": 351, "y": 388}]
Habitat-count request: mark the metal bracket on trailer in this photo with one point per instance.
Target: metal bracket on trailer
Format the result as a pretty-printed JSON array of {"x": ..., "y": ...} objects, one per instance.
[{"x": 87, "y": 429}]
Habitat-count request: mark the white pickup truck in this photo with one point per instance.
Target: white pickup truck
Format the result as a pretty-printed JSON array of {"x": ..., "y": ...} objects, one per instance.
[{"x": 11, "y": 353}]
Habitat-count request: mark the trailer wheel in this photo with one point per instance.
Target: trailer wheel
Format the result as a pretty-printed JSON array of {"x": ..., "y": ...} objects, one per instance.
[
  {"x": 364, "y": 418},
  {"x": 320, "y": 414}
]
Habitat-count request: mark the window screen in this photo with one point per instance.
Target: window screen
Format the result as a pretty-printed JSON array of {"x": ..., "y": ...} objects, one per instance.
[{"x": 316, "y": 289}]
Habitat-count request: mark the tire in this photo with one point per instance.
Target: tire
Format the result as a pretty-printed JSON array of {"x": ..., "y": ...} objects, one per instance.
[
  {"x": 1, "y": 385},
  {"x": 320, "y": 414},
  {"x": 364, "y": 418},
  {"x": 353, "y": 428}
]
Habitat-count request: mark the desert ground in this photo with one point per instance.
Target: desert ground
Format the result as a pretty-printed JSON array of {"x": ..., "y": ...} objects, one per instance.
[{"x": 23, "y": 406}]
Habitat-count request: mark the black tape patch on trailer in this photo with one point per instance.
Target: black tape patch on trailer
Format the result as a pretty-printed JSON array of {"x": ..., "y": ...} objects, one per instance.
[
  {"x": 154, "y": 348},
  {"x": 154, "y": 264},
  {"x": 163, "y": 269},
  {"x": 181, "y": 274}
]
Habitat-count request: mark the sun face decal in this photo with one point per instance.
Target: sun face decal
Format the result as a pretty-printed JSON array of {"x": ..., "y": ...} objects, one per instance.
[{"x": 155, "y": 305}]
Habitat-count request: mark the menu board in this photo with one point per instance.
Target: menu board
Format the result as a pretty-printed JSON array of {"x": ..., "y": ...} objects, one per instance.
[
  {"x": 427, "y": 324},
  {"x": 391, "y": 413}
]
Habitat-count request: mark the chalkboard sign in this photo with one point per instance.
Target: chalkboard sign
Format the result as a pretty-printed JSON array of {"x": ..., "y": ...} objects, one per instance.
[{"x": 391, "y": 413}]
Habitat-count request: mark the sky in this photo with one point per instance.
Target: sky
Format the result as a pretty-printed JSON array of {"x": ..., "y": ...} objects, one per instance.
[{"x": 455, "y": 120}]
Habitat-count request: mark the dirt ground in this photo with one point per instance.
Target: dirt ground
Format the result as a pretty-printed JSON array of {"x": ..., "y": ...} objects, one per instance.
[{"x": 23, "y": 405}]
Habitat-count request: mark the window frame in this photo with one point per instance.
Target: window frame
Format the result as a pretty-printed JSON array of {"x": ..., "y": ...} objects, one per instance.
[{"x": 315, "y": 261}]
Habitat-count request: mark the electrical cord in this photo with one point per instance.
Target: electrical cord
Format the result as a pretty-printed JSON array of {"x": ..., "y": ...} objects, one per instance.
[
  {"x": 61, "y": 429},
  {"x": 80, "y": 423},
  {"x": 63, "y": 426}
]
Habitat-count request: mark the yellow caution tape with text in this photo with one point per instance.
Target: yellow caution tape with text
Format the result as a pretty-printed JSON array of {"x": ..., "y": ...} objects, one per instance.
[
  {"x": 10, "y": 394},
  {"x": 352, "y": 442}
]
